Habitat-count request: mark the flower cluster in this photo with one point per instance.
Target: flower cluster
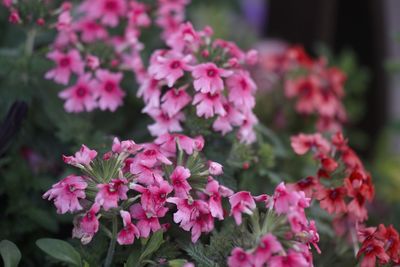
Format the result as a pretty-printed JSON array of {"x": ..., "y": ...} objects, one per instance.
[
  {"x": 379, "y": 243},
  {"x": 142, "y": 183},
  {"x": 342, "y": 185},
  {"x": 97, "y": 75},
  {"x": 317, "y": 88},
  {"x": 196, "y": 72},
  {"x": 284, "y": 235}
]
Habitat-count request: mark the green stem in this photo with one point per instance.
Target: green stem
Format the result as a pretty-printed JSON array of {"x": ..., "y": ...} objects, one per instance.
[
  {"x": 111, "y": 248},
  {"x": 30, "y": 42}
]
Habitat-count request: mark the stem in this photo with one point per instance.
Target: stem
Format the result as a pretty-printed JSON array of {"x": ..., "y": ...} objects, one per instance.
[
  {"x": 111, "y": 248},
  {"x": 30, "y": 42},
  {"x": 356, "y": 248}
]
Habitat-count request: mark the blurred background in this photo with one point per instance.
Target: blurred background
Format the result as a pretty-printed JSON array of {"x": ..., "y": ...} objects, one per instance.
[{"x": 360, "y": 37}]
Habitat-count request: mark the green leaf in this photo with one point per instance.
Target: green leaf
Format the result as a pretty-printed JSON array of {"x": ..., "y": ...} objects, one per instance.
[
  {"x": 152, "y": 245},
  {"x": 133, "y": 259},
  {"x": 177, "y": 263},
  {"x": 60, "y": 250},
  {"x": 10, "y": 253}
]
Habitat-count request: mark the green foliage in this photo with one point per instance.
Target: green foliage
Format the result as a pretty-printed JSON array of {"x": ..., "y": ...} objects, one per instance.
[
  {"x": 60, "y": 250},
  {"x": 10, "y": 253}
]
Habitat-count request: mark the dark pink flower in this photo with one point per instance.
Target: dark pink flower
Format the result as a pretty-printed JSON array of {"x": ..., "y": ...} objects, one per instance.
[
  {"x": 284, "y": 198},
  {"x": 108, "y": 11},
  {"x": 269, "y": 245},
  {"x": 66, "y": 193},
  {"x": 232, "y": 118},
  {"x": 109, "y": 194},
  {"x": 214, "y": 202},
  {"x": 127, "y": 235},
  {"x": 241, "y": 89},
  {"x": 147, "y": 221},
  {"x": 127, "y": 146},
  {"x": 292, "y": 259},
  {"x": 79, "y": 97},
  {"x": 68, "y": 63},
  {"x": 174, "y": 100},
  {"x": 168, "y": 143},
  {"x": 208, "y": 78},
  {"x": 91, "y": 30}
]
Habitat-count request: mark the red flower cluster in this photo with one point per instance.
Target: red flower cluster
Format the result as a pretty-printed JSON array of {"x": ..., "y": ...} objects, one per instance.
[
  {"x": 382, "y": 244},
  {"x": 342, "y": 185}
]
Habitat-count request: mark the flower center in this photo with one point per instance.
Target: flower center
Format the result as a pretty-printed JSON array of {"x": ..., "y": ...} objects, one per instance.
[
  {"x": 81, "y": 92},
  {"x": 334, "y": 194},
  {"x": 111, "y": 5},
  {"x": 241, "y": 256},
  {"x": 211, "y": 73},
  {"x": 65, "y": 62},
  {"x": 150, "y": 152},
  {"x": 71, "y": 188},
  {"x": 175, "y": 64},
  {"x": 109, "y": 87}
]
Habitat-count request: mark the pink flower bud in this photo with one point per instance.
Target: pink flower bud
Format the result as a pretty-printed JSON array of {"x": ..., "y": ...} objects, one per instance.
[
  {"x": 92, "y": 62},
  {"x": 215, "y": 168},
  {"x": 14, "y": 17}
]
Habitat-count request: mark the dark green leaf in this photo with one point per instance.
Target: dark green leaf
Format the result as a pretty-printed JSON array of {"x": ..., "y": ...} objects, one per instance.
[
  {"x": 60, "y": 250},
  {"x": 10, "y": 253}
]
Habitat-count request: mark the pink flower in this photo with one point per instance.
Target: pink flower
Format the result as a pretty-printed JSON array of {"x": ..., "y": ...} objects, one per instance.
[
  {"x": 302, "y": 143},
  {"x": 215, "y": 205},
  {"x": 163, "y": 123},
  {"x": 66, "y": 193},
  {"x": 179, "y": 181},
  {"x": 79, "y": 97},
  {"x": 284, "y": 199},
  {"x": 233, "y": 117},
  {"x": 241, "y": 89},
  {"x": 174, "y": 100},
  {"x": 108, "y": 11},
  {"x": 127, "y": 235},
  {"x": 107, "y": 88},
  {"x": 137, "y": 15},
  {"x": 170, "y": 67},
  {"x": 154, "y": 197},
  {"x": 168, "y": 143},
  {"x": 241, "y": 202},
  {"x": 215, "y": 168},
  {"x": 14, "y": 17},
  {"x": 292, "y": 259},
  {"x": 208, "y": 105},
  {"x": 208, "y": 78},
  {"x": 147, "y": 221},
  {"x": 66, "y": 64},
  {"x": 109, "y": 194},
  {"x": 91, "y": 30},
  {"x": 144, "y": 174},
  {"x": 240, "y": 258},
  {"x": 84, "y": 157},
  {"x": 92, "y": 62},
  {"x": 87, "y": 226},
  {"x": 269, "y": 245},
  {"x": 151, "y": 155},
  {"x": 185, "y": 35},
  {"x": 127, "y": 146},
  {"x": 246, "y": 132}
]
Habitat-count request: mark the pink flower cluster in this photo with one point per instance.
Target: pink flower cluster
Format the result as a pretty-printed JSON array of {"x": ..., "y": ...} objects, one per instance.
[
  {"x": 342, "y": 186},
  {"x": 288, "y": 207},
  {"x": 140, "y": 190},
  {"x": 96, "y": 79},
  {"x": 197, "y": 72}
]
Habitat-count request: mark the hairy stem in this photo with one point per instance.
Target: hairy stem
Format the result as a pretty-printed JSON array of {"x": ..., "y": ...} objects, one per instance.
[
  {"x": 111, "y": 248},
  {"x": 30, "y": 42}
]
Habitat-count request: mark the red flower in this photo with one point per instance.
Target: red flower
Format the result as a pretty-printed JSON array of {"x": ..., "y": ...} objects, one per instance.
[
  {"x": 332, "y": 199},
  {"x": 372, "y": 249},
  {"x": 392, "y": 241}
]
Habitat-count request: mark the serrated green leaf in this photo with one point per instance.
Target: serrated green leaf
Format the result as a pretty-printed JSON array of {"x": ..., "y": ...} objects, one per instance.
[
  {"x": 60, "y": 250},
  {"x": 10, "y": 253},
  {"x": 152, "y": 245}
]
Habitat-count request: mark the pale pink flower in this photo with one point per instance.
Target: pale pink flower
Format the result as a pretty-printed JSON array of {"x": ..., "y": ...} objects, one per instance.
[
  {"x": 208, "y": 105},
  {"x": 127, "y": 146},
  {"x": 292, "y": 259},
  {"x": 108, "y": 11},
  {"x": 170, "y": 67},
  {"x": 246, "y": 132},
  {"x": 109, "y": 194},
  {"x": 215, "y": 168},
  {"x": 233, "y": 117},
  {"x": 179, "y": 181},
  {"x": 83, "y": 157},
  {"x": 241, "y": 89},
  {"x": 174, "y": 100},
  {"x": 284, "y": 198},
  {"x": 91, "y": 30},
  {"x": 127, "y": 235},
  {"x": 302, "y": 143},
  {"x": 269, "y": 245},
  {"x": 66, "y": 193},
  {"x": 147, "y": 221},
  {"x": 168, "y": 143},
  {"x": 208, "y": 78},
  {"x": 67, "y": 63},
  {"x": 163, "y": 123},
  {"x": 79, "y": 97},
  {"x": 87, "y": 226},
  {"x": 240, "y": 258},
  {"x": 108, "y": 89},
  {"x": 241, "y": 202}
]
